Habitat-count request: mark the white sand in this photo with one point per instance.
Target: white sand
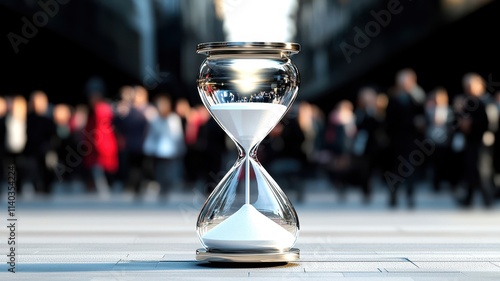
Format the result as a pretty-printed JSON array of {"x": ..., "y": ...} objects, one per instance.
[
  {"x": 248, "y": 229},
  {"x": 248, "y": 122}
]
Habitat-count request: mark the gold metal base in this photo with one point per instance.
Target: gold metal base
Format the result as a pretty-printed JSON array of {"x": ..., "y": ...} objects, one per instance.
[{"x": 276, "y": 257}]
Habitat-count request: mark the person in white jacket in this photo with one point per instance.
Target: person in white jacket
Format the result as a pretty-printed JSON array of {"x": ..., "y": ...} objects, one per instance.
[{"x": 165, "y": 144}]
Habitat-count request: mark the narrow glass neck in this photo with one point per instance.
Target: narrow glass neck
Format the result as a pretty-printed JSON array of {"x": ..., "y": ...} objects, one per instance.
[{"x": 243, "y": 152}]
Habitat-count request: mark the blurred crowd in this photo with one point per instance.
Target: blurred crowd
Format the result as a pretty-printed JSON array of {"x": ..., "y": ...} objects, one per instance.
[
  {"x": 396, "y": 137},
  {"x": 406, "y": 135}
]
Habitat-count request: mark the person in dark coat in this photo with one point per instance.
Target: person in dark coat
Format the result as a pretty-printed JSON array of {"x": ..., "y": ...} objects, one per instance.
[
  {"x": 337, "y": 143},
  {"x": 131, "y": 126},
  {"x": 365, "y": 146},
  {"x": 40, "y": 130},
  {"x": 439, "y": 118},
  {"x": 405, "y": 125},
  {"x": 496, "y": 149},
  {"x": 473, "y": 123}
]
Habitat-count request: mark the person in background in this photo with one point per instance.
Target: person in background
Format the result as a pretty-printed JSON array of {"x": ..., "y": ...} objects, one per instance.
[
  {"x": 16, "y": 136},
  {"x": 102, "y": 158},
  {"x": 496, "y": 149},
  {"x": 472, "y": 124},
  {"x": 164, "y": 142},
  {"x": 131, "y": 125},
  {"x": 283, "y": 153},
  {"x": 63, "y": 143},
  {"x": 486, "y": 160},
  {"x": 381, "y": 160},
  {"x": 40, "y": 131},
  {"x": 311, "y": 122},
  {"x": 197, "y": 138},
  {"x": 141, "y": 103},
  {"x": 184, "y": 111},
  {"x": 365, "y": 147},
  {"x": 212, "y": 142},
  {"x": 337, "y": 143},
  {"x": 77, "y": 124},
  {"x": 405, "y": 124},
  {"x": 125, "y": 102},
  {"x": 440, "y": 118},
  {"x": 406, "y": 81}
]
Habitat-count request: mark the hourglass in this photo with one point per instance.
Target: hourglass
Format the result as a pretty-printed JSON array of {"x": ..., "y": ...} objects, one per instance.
[{"x": 247, "y": 87}]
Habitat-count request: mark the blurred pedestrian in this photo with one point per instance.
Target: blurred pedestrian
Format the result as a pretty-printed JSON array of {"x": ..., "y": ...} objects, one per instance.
[
  {"x": 440, "y": 118},
  {"x": 339, "y": 134},
  {"x": 198, "y": 166},
  {"x": 365, "y": 147},
  {"x": 311, "y": 121},
  {"x": 16, "y": 136},
  {"x": 382, "y": 159},
  {"x": 164, "y": 142},
  {"x": 284, "y": 155},
  {"x": 473, "y": 123},
  {"x": 405, "y": 125},
  {"x": 142, "y": 103},
  {"x": 211, "y": 148},
  {"x": 77, "y": 124},
  {"x": 496, "y": 149},
  {"x": 40, "y": 131},
  {"x": 131, "y": 126},
  {"x": 63, "y": 143},
  {"x": 101, "y": 159},
  {"x": 184, "y": 111}
]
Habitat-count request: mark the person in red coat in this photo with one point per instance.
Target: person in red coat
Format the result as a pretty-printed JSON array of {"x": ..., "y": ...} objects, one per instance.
[{"x": 101, "y": 158}]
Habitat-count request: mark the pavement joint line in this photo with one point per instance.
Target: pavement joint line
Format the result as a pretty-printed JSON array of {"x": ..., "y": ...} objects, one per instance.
[
  {"x": 411, "y": 262},
  {"x": 494, "y": 264}
]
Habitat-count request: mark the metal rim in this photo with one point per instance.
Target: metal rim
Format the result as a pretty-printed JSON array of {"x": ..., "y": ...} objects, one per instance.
[
  {"x": 271, "y": 257},
  {"x": 207, "y": 48}
]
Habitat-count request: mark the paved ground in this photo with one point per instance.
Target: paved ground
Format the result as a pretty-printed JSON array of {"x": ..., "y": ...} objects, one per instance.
[{"x": 83, "y": 237}]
